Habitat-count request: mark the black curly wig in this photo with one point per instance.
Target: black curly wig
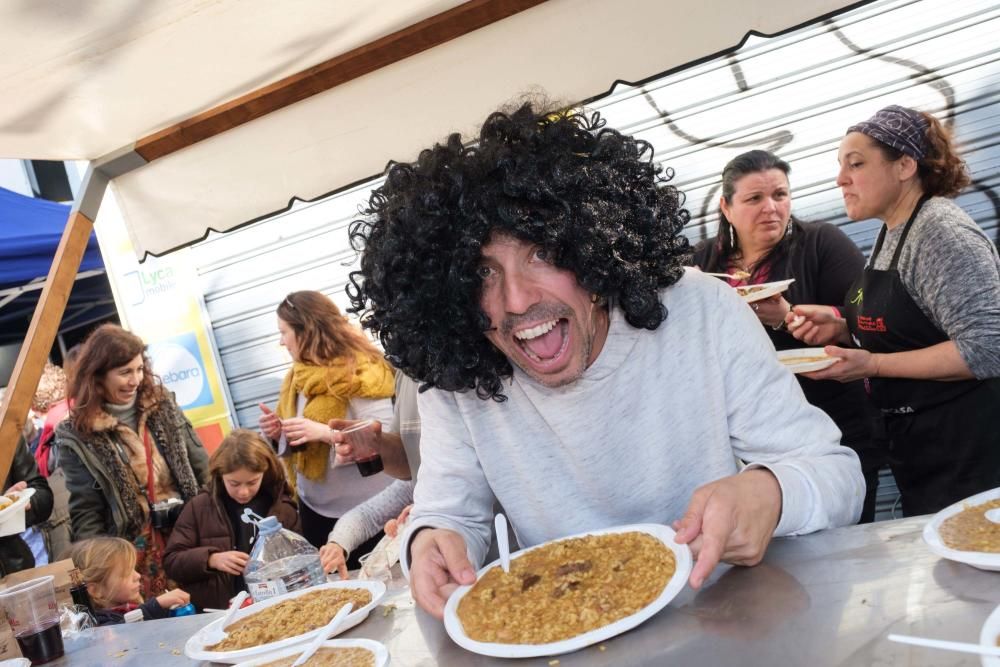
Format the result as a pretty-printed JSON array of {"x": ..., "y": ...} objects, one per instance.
[{"x": 590, "y": 196}]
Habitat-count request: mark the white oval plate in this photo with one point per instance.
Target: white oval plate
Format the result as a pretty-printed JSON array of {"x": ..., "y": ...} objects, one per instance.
[
  {"x": 786, "y": 357},
  {"x": 195, "y": 646},
  {"x": 984, "y": 561},
  {"x": 988, "y": 637},
  {"x": 770, "y": 289},
  {"x": 379, "y": 649},
  {"x": 12, "y": 516},
  {"x": 682, "y": 556}
]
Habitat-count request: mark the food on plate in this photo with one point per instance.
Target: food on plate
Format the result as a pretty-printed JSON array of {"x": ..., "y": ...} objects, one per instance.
[
  {"x": 7, "y": 501},
  {"x": 970, "y": 530},
  {"x": 290, "y": 618},
  {"x": 566, "y": 588},
  {"x": 746, "y": 290},
  {"x": 348, "y": 656},
  {"x": 805, "y": 359}
]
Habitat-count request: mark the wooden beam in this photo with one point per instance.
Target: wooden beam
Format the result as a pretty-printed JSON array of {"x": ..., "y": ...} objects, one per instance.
[
  {"x": 41, "y": 334},
  {"x": 363, "y": 60}
]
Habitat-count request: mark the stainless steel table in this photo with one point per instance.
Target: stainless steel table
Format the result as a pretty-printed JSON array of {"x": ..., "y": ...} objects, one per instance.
[{"x": 824, "y": 599}]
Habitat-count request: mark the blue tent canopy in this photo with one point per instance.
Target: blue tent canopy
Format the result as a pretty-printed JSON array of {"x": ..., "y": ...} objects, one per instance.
[{"x": 30, "y": 230}]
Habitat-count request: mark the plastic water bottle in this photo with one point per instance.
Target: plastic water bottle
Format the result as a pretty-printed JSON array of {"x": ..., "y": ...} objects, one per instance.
[{"x": 280, "y": 560}]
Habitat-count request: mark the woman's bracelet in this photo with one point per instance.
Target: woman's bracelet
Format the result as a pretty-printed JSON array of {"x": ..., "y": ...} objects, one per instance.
[{"x": 783, "y": 325}]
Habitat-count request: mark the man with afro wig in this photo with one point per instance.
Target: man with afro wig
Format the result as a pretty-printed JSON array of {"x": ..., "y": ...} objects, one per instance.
[{"x": 571, "y": 368}]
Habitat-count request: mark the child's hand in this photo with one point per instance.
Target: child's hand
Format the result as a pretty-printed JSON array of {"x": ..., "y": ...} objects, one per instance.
[
  {"x": 331, "y": 556},
  {"x": 173, "y": 599},
  {"x": 230, "y": 562},
  {"x": 393, "y": 526}
]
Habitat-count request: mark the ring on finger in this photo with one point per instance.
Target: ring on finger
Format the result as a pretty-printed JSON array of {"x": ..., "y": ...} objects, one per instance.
[{"x": 755, "y": 306}]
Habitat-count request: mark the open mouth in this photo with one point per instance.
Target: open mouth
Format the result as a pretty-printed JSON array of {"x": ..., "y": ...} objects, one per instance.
[{"x": 545, "y": 342}]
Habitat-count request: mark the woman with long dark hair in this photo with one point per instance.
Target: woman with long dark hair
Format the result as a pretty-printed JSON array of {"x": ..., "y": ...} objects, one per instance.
[
  {"x": 125, "y": 447},
  {"x": 759, "y": 241},
  {"x": 337, "y": 374},
  {"x": 922, "y": 322}
]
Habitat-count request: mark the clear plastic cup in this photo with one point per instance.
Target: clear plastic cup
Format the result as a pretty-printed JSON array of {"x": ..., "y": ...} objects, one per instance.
[
  {"x": 362, "y": 438},
  {"x": 33, "y": 616},
  {"x": 375, "y": 566}
]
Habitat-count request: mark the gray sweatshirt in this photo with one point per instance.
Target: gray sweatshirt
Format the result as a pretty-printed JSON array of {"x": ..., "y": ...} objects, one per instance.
[
  {"x": 952, "y": 271},
  {"x": 657, "y": 415}
]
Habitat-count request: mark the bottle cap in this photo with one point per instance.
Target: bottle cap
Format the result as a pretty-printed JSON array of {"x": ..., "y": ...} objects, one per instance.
[{"x": 184, "y": 610}]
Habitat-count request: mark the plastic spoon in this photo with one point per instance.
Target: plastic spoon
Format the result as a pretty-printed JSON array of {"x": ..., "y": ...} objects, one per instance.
[
  {"x": 962, "y": 647},
  {"x": 324, "y": 634},
  {"x": 219, "y": 633},
  {"x": 504, "y": 546},
  {"x": 993, "y": 515}
]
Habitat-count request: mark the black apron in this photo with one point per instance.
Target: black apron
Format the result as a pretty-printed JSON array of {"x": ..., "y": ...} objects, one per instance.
[{"x": 941, "y": 439}]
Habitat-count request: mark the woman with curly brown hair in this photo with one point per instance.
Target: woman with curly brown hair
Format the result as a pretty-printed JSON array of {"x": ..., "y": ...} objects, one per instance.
[
  {"x": 338, "y": 373},
  {"x": 925, "y": 314},
  {"x": 125, "y": 447}
]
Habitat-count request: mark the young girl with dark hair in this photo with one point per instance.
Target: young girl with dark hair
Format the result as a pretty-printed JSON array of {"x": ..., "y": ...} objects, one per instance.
[{"x": 210, "y": 545}]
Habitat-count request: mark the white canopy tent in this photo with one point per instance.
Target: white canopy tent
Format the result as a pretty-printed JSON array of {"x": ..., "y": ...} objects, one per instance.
[{"x": 206, "y": 115}]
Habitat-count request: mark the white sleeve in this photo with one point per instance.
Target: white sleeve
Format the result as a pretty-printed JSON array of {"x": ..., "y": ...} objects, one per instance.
[
  {"x": 379, "y": 409},
  {"x": 451, "y": 491},
  {"x": 772, "y": 426}
]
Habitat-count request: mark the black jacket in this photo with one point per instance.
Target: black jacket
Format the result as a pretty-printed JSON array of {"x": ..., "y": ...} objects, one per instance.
[
  {"x": 14, "y": 553},
  {"x": 824, "y": 263},
  {"x": 151, "y": 610}
]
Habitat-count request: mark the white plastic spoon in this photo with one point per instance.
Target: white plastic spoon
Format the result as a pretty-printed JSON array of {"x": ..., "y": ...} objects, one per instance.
[
  {"x": 962, "y": 647},
  {"x": 993, "y": 515},
  {"x": 504, "y": 546},
  {"x": 324, "y": 634},
  {"x": 219, "y": 632}
]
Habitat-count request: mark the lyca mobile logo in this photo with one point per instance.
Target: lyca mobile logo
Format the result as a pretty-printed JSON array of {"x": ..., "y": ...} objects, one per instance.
[{"x": 150, "y": 283}]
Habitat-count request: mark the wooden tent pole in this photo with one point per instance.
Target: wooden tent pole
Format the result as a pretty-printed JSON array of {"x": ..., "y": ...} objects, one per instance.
[{"x": 45, "y": 322}]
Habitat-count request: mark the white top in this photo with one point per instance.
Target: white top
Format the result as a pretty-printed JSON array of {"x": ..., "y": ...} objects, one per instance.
[
  {"x": 343, "y": 487},
  {"x": 657, "y": 415}
]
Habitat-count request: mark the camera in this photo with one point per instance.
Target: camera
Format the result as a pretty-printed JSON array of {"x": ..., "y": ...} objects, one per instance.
[{"x": 164, "y": 514}]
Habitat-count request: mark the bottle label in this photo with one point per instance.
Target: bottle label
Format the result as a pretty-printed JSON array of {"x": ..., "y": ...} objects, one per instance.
[{"x": 263, "y": 590}]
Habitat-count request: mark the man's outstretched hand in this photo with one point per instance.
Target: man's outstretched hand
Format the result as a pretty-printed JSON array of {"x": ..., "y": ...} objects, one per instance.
[
  {"x": 732, "y": 520},
  {"x": 438, "y": 565}
]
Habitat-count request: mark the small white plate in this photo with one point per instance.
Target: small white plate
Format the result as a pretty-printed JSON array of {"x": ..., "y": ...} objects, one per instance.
[
  {"x": 195, "y": 646},
  {"x": 769, "y": 289},
  {"x": 12, "y": 516},
  {"x": 682, "y": 557},
  {"x": 980, "y": 559},
  {"x": 788, "y": 357},
  {"x": 988, "y": 637},
  {"x": 380, "y": 651}
]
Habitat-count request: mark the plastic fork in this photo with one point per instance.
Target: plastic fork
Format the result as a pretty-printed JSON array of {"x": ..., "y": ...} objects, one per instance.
[
  {"x": 218, "y": 633},
  {"x": 324, "y": 634}
]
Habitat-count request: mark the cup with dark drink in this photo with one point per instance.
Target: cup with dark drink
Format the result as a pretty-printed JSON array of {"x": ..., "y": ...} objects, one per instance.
[
  {"x": 33, "y": 616},
  {"x": 362, "y": 437}
]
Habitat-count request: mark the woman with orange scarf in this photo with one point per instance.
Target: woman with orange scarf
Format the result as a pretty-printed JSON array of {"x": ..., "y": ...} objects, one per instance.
[{"x": 337, "y": 374}]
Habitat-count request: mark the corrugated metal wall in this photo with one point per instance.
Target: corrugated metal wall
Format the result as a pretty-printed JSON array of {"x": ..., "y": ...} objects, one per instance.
[{"x": 795, "y": 95}]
